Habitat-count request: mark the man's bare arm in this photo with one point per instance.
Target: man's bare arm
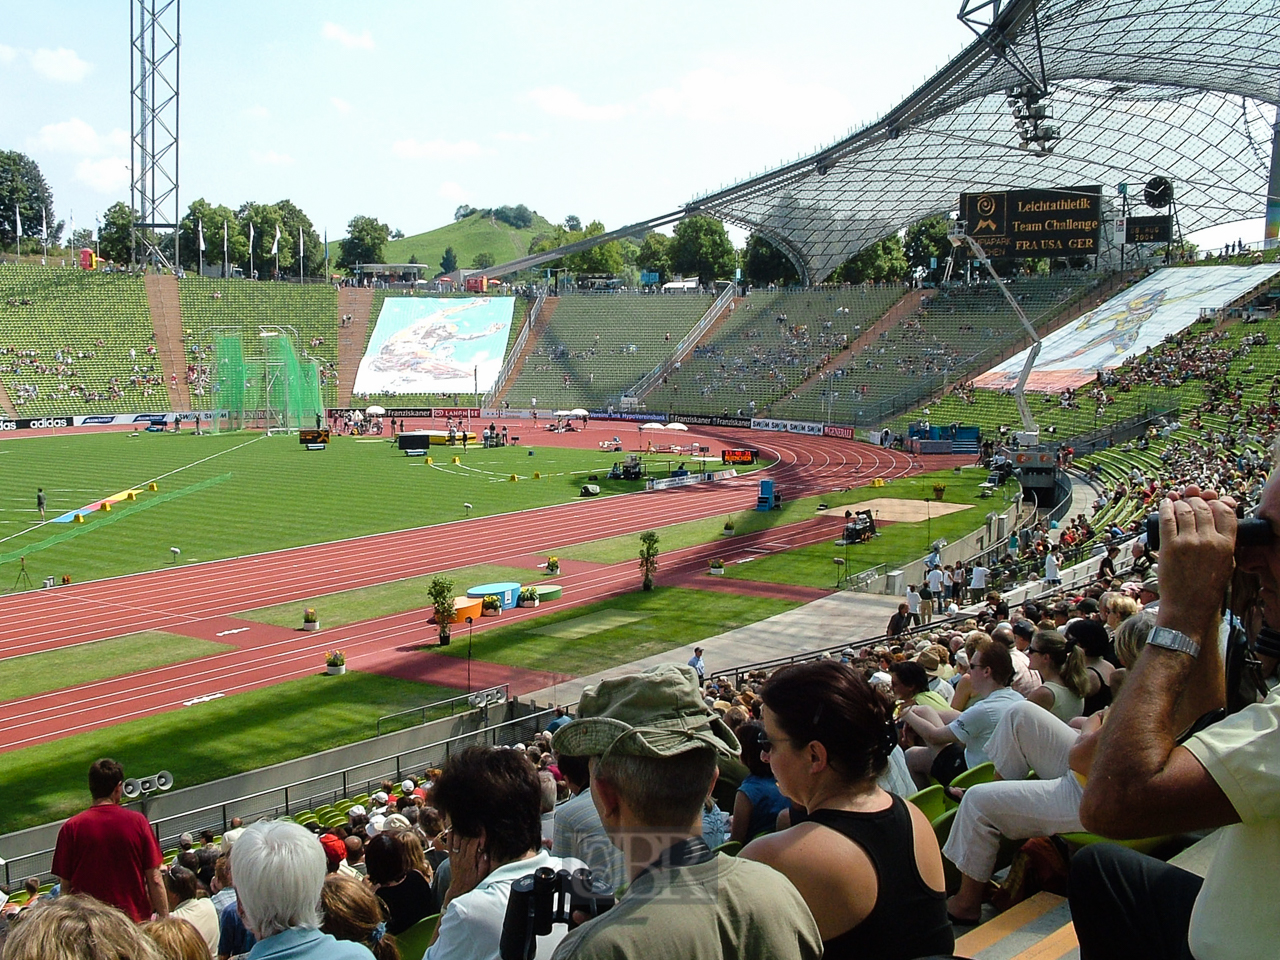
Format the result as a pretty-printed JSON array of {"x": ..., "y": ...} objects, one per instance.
[
  {"x": 156, "y": 893},
  {"x": 1142, "y": 783}
]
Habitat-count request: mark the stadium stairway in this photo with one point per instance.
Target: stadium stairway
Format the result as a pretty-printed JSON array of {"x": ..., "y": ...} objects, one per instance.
[
  {"x": 166, "y": 320},
  {"x": 530, "y": 343},
  {"x": 1038, "y": 928},
  {"x": 356, "y": 303}
]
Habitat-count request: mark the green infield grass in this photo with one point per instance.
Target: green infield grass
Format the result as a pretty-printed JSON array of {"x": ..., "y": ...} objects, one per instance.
[
  {"x": 898, "y": 543},
  {"x": 398, "y": 596},
  {"x": 35, "y": 673},
  {"x": 208, "y": 740},
  {"x": 243, "y": 493},
  {"x": 583, "y": 640}
]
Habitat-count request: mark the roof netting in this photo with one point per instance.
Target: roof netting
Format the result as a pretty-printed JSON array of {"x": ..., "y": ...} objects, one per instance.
[{"x": 1137, "y": 88}]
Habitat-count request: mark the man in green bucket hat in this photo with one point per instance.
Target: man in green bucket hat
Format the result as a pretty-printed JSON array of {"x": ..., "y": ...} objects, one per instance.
[{"x": 654, "y": 745}]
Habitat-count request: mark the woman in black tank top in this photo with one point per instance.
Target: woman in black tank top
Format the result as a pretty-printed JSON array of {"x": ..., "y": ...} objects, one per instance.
[{"x": 866, "y": 862}]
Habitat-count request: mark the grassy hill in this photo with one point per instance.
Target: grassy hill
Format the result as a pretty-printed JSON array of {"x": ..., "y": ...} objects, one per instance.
[{"x": 468, "y": 237}]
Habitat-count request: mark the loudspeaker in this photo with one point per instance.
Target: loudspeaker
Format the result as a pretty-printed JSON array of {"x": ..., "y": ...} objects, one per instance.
[
  {"x": 164, "y": 780},
  {"x": 132, "y": 788},
  {"x": 147, "y": 784}
]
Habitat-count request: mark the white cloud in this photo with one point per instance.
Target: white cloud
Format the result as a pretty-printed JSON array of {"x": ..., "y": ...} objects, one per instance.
[
  {"x": 436, "y": 149},
  {"x": 7, "y": 54},
  {"x": 107, "y": 175},
  {"x": 258, "y": 112},
  {"x": 342, "y": 106},
  {"x": 76, "y": 136},
  {"x": 514, "y": 137},
  {"x": 562, "y": 102},
  {"x": 452, "y": 191},
  {"x": 62, "y": 65},
  {"x": 809, "y": 109},
  {"x": 352, "y": 41},
  {"x": 272, "y": 158}
]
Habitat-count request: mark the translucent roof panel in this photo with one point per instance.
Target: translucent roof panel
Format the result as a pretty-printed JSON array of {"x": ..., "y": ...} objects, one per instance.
[{"x": 1137, "y": 88}]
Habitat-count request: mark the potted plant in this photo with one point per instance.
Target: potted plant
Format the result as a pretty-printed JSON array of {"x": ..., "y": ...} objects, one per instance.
[
  {"x": 440, "y": 593},
  {"x": 716, "y": 567},
  {"x": 553, "y": 566},
  {"x": 528, "y": 597},
  {"x": 728, "y": 527},
  {"x": 310, "y": 619},
  {"x": 335, "y": 662},
  {"x": 491, "y": 605},
  {"x": 938, "y": 490}
]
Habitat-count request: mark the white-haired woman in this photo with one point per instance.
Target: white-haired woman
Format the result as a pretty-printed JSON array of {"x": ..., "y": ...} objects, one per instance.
[{"x": 279, "y": 872}]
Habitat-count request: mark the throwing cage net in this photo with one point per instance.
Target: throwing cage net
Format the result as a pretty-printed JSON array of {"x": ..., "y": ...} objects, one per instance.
[{"x": 277, "y": 391}]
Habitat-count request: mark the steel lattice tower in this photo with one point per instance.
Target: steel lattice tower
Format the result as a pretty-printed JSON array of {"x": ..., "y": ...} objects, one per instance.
[{"x": 153, "y": 111}]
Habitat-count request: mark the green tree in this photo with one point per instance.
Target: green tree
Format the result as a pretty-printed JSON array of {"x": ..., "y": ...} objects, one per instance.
[
  {"x": 291, "y": 220},
  {"x": 366, "y": 237},
  {"x": 702, "y": 249},
  {"x": 463, "y": 211},
  {"x": 605, "y": 258},
  {"x": 22, "y": 187},
  {"x": 81, "y": 238},
  {"x": 115, "y": 238},
  {"x": 764, "y": 264},
  {"x": 572, "y": 223},
  {"x": 482, "y": 261},
  {"x": 654, "y": 255},
  {"x": 648, "y": 558},
  {"x": 440, "y": 593},
  {"x": 449, "y": 262},
  {"x": 927, "y": 241},
  {"x": 213, "y": 218},
  {"x": 884, "y": 261}
]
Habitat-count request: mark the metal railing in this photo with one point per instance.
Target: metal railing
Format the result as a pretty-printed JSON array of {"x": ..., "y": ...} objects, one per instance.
[
  {"x": 468, "y": 698},
  {"x": 300, "y": 795},
  {"x": 686, "y": 344}
]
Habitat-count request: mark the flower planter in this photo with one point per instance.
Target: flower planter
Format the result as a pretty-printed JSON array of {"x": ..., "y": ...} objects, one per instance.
[
  {"x": 716, "y": 571},
  {"x": 528, "y": 603},
  {"x": 552, "y": 571},
  {"x": 491, "y": 613},
  {"x": 337, "y": 671},
  {"x": 309, "y": 627}
]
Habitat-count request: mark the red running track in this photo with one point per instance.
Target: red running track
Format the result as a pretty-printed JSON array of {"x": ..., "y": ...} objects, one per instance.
[{"x": 199, "y": 599}]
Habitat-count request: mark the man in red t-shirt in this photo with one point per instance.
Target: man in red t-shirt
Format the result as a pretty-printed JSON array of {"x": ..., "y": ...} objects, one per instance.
[{"x": 110, "y": 853}]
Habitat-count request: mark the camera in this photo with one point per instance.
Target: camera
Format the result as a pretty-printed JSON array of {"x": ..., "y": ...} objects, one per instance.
[
  {"x": 1250, "y": 532},
  {"x": 544, "y": 898}
]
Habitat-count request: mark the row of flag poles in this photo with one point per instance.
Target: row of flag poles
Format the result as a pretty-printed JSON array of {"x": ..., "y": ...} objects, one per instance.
[
  {"x": 275, "y": 244},
  {"x": 275, "y": 248}
]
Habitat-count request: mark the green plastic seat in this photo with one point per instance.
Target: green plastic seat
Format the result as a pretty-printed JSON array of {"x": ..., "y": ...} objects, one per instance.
[
  {"x": 932, "y": 801},
  {"x": 982, "y": 773},
  {"x": 413, "y": 942}
]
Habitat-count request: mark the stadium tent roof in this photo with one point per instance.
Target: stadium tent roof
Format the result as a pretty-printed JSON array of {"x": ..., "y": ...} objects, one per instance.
[{"x": 1136, "y": 87}]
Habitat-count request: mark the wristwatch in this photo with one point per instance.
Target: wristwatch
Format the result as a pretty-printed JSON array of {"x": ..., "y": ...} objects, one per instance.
[{"x": 1172, "y": 639}]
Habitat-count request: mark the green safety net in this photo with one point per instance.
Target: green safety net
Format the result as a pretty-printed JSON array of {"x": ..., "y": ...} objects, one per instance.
[{"x": 277, "y": 391}]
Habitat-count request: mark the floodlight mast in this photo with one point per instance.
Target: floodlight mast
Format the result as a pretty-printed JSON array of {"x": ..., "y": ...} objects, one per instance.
[{"x": 958, "y": 233}]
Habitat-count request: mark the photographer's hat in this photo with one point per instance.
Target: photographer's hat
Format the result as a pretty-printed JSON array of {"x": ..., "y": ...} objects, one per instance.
[{"x": 658, "y": 713}]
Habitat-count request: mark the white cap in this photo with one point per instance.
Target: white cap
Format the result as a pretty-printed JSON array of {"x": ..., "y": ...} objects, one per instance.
[
  {"x": 380, "y": 797},
  {"x": 408, "y": 786},
  {"x": 356, "y": 811},
  {"x": 375, "y": 825}
]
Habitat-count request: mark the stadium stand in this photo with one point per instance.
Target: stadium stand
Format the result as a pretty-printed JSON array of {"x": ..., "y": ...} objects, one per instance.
[
  {"x": 73, "y": 342},
  {"x": 209, "y": 305},
  {"x": 596, "y": 346}
]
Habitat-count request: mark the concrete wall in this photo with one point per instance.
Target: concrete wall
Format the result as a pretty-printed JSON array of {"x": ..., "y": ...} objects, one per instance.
[{"x": 295, "y": 785}]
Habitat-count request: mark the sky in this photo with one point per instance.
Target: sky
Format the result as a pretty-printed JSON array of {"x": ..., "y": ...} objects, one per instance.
[{"x": 611, "y": 111}]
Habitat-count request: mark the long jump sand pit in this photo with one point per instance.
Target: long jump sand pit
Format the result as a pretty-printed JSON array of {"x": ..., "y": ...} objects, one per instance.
[{"x": 894, "y": 510}]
